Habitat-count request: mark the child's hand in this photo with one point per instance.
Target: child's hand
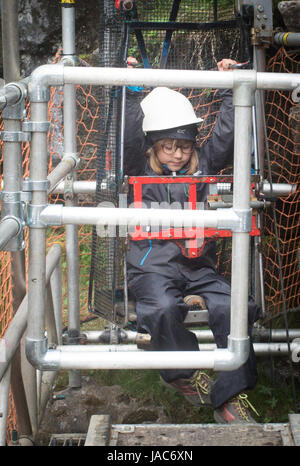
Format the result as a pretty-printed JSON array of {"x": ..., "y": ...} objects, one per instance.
[
  {"x": 224, "y": 65},
  {"x": 131, "y": 62}
]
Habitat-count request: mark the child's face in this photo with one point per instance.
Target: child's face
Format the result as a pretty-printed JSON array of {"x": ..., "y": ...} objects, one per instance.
[{"x": 175, "y": 153}]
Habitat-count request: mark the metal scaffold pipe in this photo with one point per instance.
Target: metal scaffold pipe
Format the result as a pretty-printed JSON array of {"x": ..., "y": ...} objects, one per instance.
[
  {"x": 10, "y": 95},
  {"x": 129, "y": 336},
  {"x": 289, "y": 39},
  {"x": 109, "y": 216},
  {"x": 243, "y": 83},
  {"x": 70, "y": 147},
  {"x": 276, "y": 348},
  {"x": 9, "y": 228},
  {"x": 186, "y": 78},
  {"x": 10, "y": 29},
  {"x": 52, "y": 75},
  {"x": 79, "y": 187},
  {"x": 37, "y": 236},
  {"x": 18, "y": 324},
  {"x": 12, "y": 104},
  {"x": 89, "y": 187},
  {"x": 64, "y": 167},
  {"x": 241, "y": 201}
]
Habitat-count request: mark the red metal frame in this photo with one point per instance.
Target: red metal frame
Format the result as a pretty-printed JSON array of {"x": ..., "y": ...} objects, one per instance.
[{"x": 190, "y": 234}]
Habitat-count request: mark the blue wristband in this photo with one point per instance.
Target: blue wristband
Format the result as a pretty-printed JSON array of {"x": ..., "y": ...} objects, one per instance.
[{"x": 135, "y": 88}]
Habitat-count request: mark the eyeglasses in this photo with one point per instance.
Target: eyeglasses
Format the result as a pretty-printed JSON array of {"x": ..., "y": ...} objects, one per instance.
[{"x": 170, "y": 148}]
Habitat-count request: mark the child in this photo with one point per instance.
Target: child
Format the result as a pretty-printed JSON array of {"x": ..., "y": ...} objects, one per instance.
[{"x": 162, "y": 279}]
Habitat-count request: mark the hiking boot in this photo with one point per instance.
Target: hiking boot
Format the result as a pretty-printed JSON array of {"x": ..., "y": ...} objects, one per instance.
[
  {"x": 194, "y": 301},
  {"x": 235, "y": 411},
  {"x": 195, "y": 389}
]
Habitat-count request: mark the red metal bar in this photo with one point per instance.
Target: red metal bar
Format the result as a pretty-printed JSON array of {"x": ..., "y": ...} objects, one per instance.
[
  {"x": 137, "y": 195},
  {"x": 192, "y": 196},
  {"x": 178, "y": 179},
  {"x": 193, "y": 243},
  {"x": 191, "y": 234}
]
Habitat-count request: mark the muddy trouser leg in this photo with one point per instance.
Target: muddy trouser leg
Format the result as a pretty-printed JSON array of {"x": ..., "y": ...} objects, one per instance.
[
  {"x": 216, "y": 292},
  {"x": 161, "y": 312}
]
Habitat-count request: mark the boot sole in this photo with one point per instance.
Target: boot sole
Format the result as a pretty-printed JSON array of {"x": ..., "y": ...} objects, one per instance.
[{"x": 220, "y": 420}]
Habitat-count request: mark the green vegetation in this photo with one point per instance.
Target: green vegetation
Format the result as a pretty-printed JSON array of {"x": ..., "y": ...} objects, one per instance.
[
  {"x": 273, "y": 404},
  {"x": 272, "y": 397}
]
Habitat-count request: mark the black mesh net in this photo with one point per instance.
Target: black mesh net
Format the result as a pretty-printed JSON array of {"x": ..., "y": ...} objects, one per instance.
[
  {"x": 196, "y": 11},
  {"x": 192, "y": 40},
  {"x": 107, "y": 261},
  {"x": 159, "y": 34}
]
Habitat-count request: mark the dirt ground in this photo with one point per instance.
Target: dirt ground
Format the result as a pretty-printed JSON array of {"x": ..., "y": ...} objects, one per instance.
[{"x": 70, "y": 409}]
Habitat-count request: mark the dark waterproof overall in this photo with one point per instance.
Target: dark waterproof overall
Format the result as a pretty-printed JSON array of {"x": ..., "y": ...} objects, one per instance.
[{"x": 160, "y": 275}]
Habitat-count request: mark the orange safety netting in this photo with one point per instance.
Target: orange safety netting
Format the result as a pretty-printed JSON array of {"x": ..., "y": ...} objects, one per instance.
[
  {"x": 283, "y": 129},
  {"x": 88, "y": 108},
  {"x": 283, "y": 132}
]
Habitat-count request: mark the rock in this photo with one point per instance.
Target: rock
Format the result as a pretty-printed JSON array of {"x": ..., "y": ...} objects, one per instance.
[
  {"x": 290, "y": 12},
  {"x": 40, "y": 31}
]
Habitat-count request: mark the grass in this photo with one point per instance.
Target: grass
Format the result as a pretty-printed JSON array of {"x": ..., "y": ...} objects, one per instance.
[
  {"x": 272, "y": 400},
  {"x": 273, "y": 404}
]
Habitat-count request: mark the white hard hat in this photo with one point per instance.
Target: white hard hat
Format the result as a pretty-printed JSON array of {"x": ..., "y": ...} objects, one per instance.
[{"x": 164, "y": 108}]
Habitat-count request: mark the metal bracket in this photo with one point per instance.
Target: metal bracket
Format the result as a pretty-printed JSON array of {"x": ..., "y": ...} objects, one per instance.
[
  {"x": 245, "y": 220},
  {"x": 35, "y": 352},
  {"x": 14, "y": 136},
  {"x": 35, "y": 126},
  {"x": 70, "y": 60},
  {"x": 12, "y": 207},
  {"x": 244, "y": 87},
  {"x": 241, "y": 221},
  {"x": 114, "y": 335},
  {"x": 263, "y": 21},
  {"x": 17, "y": 110},
  {"x": 31, "y": 185},
  {"x": 33, "y": 216},
  {"x": 74, "y": 157},
  {"x": 296, "y": 95},
  {"x": 262, "y": 30},
  {"x": 18, "y": 221},
  {"x": 69, "y": 187},
  {"x": 238, "y": 350}
]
